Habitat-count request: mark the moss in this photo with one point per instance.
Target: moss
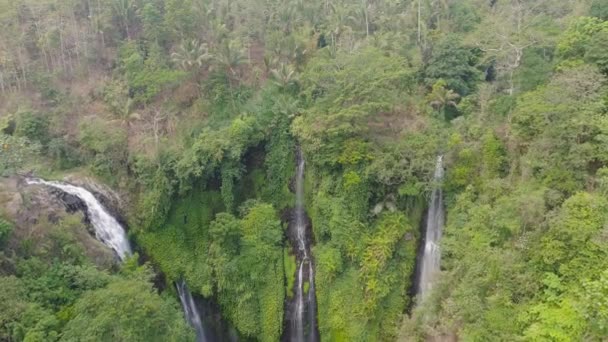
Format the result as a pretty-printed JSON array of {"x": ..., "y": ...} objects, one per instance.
[
  {"x": 289, "y": 263},
  {"x": 251, "y": 185},
  {"x": 179, "y": 246}
]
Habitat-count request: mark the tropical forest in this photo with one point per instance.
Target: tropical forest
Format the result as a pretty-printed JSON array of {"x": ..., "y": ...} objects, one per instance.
[{"x": 303, "y": 170}]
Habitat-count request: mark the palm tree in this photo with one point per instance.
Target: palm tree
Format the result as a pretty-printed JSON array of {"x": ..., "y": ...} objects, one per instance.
[
  {"x": 284, "y": 75},
  {"x": 191, "y": 54},
  {"x": 125, "y": 114},
  {"x": 361, "y": 16},
  {"x": 441, "y": 97},
  {"x": 230, "y": 56},
  {"x": 339, "y": 23},
  {"x": 125, "y": 12}
]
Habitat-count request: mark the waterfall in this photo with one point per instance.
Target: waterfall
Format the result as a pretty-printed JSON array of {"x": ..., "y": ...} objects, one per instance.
[
  {"x": 303, "y": 326},
  {"x": 190, "y": 310},
  {"x": 107, "y": 229},
  {"x": 112, "y": 234},
  {"x": 431, "y": 256}
]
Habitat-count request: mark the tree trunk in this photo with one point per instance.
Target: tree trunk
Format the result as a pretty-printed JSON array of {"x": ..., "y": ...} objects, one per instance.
[
  {"x": 126, "y": 22},
  {"x": 17, "y": 79},
  {"x": 511, "y": 83},
  {"x": 366, "y": 20},
  {"x": 22, "y": 67},
  {"x": 2, "y": 82},
  {"x": 419, "y": 25},
  {"x": 61, "y": 46}
]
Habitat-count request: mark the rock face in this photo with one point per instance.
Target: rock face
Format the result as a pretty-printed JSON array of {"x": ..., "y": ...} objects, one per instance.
[
  {"x": 42, "y": 216},
  {"x": 108, "y": 197}
]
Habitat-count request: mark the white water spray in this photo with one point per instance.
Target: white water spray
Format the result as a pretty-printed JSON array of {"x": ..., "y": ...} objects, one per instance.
[
  {"x": 303, "y": 304},
  {"x": 107, "y": 229},
  {"x": 431, "y": 256},
  {"x": 190, "y": 310}
]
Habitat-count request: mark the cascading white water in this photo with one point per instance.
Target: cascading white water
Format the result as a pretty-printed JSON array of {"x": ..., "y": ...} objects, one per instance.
[
  {"x": 301, "y": 237},
  {"x": 112, "y": 234},
  {"x": 312, "y": 304},
  {"x": 431, "y": 256},
  {"x": 107, "y": 229},
  {"x": 299, "y": 321},
  {"x": 305, "y": 269},
  {"x": 190, "y": 310}
]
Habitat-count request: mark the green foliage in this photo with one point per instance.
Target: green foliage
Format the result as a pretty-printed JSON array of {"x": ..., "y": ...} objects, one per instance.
[
  {"x": 535, "y": 69},
  {"x": 442, "y": 99},
  {"x": 64, "y": 154},
  {"x": 53, "y": 296},
  {"x": 596, "y": 51},
  {"x": 213, "y": 146},
  {"x": 105, "y": 147},
  {"x": 512, "y": 246},
  {"x": 12, "y": 305},
  {"x": 34, "y": 127},
  {"x": 152, "y": 22},
  {"x": 146, "y": 74},
  {"x": 352, "y": 83},
  {"x": 246, "y": 257},
  {"x": 365, "y": 300},
  {"x": 179, "y": 17},
  {"x": 579, "y": 39},
  {"x": 127, "y": 310},
  {"x": 378, "y": 251},
  {"x": 155, "y": 203},
  {"x": 454, "y": 63},
  {"x": 595, "y": 310},
  {"x": 16, "y": 153},
  {"x": 494, "y": 156},
  {"x": 347, "y": 91},
  {"x": 464, "y": 16},
  {"x": 599, "y": 9},
  {"x": 6, "y": 229},
  {"x": 229, "y": 172},
  {"x": 279, "y": 149},
  {"x": 291, "y": 267},
  {"x": 179, "y": 242},
  {"x": 560, "y": 125}
]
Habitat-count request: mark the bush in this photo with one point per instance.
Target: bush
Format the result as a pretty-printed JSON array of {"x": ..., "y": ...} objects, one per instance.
[
  {"x": 5, "y": 230},
  {"x": 65, "y": 155},
  {"x": 599, "y": 9},
  {"x": 15, "y": 152},
  {"x": 33, "y": 126}
]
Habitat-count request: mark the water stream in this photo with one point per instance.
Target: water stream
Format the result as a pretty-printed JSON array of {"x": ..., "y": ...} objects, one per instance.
[
  {"x": 431, "y": 256},
  {"x": 109, "y": 231},
  {"x": 190, "y": 310},
  {"x": 303, "y": 320}
]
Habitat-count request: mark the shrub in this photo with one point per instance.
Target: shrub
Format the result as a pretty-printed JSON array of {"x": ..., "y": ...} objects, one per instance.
[{"x": 5, "y": 230}]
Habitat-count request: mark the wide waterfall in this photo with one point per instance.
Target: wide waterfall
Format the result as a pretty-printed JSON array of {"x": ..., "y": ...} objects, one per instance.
[
  {"x": 304, "y": 326},
  {"x": 109, "y": 231},
  {"x": 431, "y": 256}
]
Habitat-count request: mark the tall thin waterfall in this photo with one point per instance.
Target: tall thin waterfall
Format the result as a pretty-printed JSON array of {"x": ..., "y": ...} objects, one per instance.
[
  {"x": 303, "y": 304},
  {"x": 112, "y": 234},
  {"x": 107, "y": 229},
  {"x": 190, "y": 310},
  {"x": 431, "y": 256}
]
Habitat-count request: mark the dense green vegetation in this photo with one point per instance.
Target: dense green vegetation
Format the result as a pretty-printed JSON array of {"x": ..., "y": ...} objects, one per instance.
[
  {"x": 192, "y": 110},
  {"x": 50, "y": 291}
]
